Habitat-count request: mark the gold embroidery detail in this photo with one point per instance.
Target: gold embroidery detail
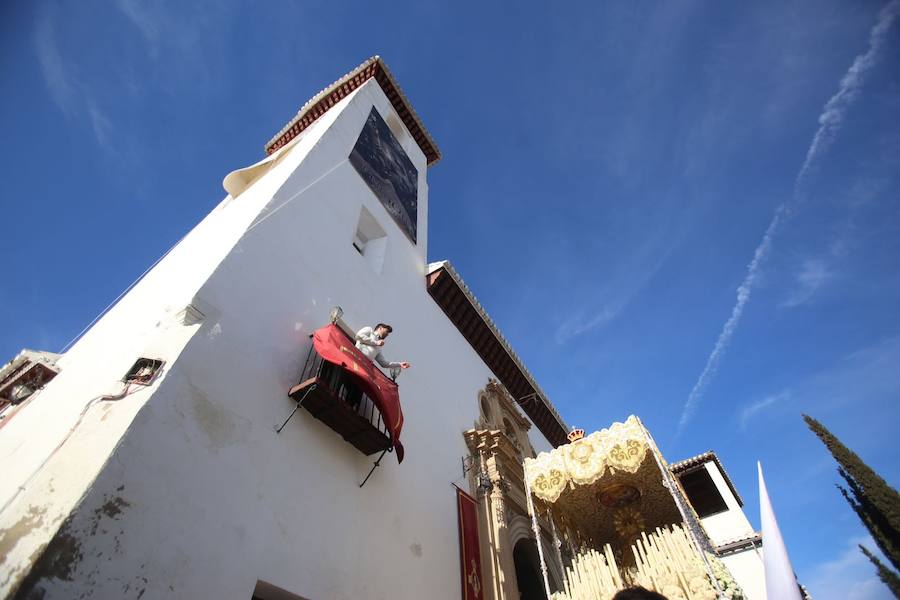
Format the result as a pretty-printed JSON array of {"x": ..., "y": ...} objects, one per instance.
[{"x": 622, "y": 447}]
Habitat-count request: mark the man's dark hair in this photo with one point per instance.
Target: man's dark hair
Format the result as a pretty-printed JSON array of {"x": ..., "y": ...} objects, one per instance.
[
  {"x": 638, "y": 593},
  {"x": 385, "y": 326}
]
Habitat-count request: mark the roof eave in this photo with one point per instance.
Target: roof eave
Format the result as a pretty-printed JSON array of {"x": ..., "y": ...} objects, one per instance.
[
  {"x": 557, "y": 437},
  {"x": 319, "y": 104},
  {"x": 689, "y": 464}
]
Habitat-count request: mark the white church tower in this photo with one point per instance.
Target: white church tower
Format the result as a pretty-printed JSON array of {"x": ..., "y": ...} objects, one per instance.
[{"x": 150, "y": 465}]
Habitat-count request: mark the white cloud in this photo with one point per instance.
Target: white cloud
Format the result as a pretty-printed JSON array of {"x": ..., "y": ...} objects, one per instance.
[
  {"x": 602, "y": 315},
  {"x": 189, "y": 38},
  {"x": 832, "y": 115},
  {"x": 69, "y": 93},
  {"x": 101, "y": 125},
  {"x": 813, "y": 274},
  {"x": 751, "y": 410},
  {"x": 830, "y": 120},
  {"x": 867, "y": 375},
  {"x": 743, "y": 296},
  {"x": 624, "y": 283},
  {"x": 864, "y": 192},
  {"x": 867, "y": 379},
  {"x": 57, "y": 77},
  {"x": 849, "y": 576},
  {"x": 630, "y": 260},
  {"x": 145, "y": 20}
]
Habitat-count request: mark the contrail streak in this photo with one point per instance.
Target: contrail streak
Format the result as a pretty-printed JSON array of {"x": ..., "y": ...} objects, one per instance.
[{"x": 830, "y": 121}]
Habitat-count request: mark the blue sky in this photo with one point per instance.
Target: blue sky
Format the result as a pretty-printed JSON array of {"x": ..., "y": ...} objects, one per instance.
[{"x": 609, "y": 172}]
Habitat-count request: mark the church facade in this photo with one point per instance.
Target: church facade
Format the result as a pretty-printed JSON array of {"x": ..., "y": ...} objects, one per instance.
[{"x": 199, "y": 440}]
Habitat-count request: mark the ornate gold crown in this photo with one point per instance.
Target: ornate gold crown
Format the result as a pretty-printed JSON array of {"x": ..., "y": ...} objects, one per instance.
[{"x": 576, "y": 434}]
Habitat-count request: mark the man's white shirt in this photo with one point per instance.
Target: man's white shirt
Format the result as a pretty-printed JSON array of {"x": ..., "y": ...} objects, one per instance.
[{"x": 366, "y": 343}]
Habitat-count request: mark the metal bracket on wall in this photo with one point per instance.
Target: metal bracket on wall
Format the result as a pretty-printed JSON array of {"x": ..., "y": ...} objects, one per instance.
[
  {"x": 296, "y": 408},
  {"x": 468, "y": 463},
  {"x": 375, "y": 466}
]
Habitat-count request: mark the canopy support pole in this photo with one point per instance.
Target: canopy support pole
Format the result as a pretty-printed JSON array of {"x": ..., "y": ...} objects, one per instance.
[
  {"x": 557, "y": 543},
  {"x": 537, "y": 536},
  {"x": 689, "y": 523}
]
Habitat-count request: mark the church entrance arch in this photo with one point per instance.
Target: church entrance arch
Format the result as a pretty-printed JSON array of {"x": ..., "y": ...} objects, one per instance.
[{"x": 528, "y": 570}]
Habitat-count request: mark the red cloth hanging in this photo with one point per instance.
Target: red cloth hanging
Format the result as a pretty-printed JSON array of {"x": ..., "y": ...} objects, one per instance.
[{"x": 333, "y": 345}]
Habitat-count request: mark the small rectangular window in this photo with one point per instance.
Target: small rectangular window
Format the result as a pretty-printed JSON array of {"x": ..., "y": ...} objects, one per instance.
[{"x": 143, "y": 371}]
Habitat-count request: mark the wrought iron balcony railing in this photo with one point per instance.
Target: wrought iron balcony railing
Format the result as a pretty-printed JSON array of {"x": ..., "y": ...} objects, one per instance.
[{"x": 329, "y": 393}]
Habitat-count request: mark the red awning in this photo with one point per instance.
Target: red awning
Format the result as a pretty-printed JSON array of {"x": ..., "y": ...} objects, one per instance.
[{"x": 333, "y": 345}]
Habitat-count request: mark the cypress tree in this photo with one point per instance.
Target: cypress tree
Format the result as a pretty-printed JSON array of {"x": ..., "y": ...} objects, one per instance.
[
  {"x": 875, "y": 502},
  {"x": 889, "y": 577}
]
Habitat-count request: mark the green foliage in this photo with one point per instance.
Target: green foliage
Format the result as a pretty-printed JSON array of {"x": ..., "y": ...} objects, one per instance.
[
  {"x": 875, "y": 502},
  {"x": 889, "y": 577}
]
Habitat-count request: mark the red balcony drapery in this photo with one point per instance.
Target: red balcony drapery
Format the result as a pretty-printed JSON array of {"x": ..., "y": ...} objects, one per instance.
[{"x": 333, "y": 345}]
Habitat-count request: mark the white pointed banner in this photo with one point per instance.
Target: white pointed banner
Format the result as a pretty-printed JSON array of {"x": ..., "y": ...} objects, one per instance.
[{"x": 781, "y": 584}]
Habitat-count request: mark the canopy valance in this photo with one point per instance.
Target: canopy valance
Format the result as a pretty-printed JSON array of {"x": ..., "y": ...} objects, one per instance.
[{"x": 622, "y": 447}]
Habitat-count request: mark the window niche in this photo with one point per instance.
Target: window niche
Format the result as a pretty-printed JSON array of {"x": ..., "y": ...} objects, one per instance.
[
  {"x": 702, "y": 492},
  {"x": 499, "y": 412},
  {"x": 486, "y": 412},
  {"x": 370, "y": 240},
  {"x": 511, "y": 432}
]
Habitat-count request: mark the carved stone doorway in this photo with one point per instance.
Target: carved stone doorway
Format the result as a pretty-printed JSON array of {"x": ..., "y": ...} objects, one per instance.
[
  {"x": 528, "y": 571},
  {"x": 510, "y": 559}
]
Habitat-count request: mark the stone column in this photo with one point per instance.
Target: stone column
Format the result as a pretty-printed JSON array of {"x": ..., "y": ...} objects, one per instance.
[{"x": 489, "y": 449}]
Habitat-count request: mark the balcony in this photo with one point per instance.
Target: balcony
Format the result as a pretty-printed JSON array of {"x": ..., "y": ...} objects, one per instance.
[{"x": 331, "y": 396}]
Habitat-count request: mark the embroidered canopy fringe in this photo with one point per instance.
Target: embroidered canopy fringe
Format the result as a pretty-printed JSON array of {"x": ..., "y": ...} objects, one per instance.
[{"x": 622, "y": 447}]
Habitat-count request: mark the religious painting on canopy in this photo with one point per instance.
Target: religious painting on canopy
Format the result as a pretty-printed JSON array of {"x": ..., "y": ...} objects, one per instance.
[{"x": 390, "y": 174}]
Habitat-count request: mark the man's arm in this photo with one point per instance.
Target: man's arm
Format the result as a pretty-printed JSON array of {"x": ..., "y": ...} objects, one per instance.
[
  {"x": 366, "y": 336},
  {"x": 381, "y": 360},
  {"x": 388, "y": 364}
]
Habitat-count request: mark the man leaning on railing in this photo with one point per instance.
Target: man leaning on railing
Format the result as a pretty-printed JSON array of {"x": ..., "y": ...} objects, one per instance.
[{"x": 370, "y": 341}]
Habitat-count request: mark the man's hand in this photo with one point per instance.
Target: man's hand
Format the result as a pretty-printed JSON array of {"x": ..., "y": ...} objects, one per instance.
[
  {"x": 405, "y": 365},
  {"x": 378, "y": 342}
]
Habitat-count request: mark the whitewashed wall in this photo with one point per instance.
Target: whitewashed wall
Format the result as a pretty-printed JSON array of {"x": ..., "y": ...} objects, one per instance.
[
  {"x": 60, "y": 440},
  {"x": 199, "y": 497},
  {"x": 747, "y": 569},
  {"x": 730, "y": 525}
]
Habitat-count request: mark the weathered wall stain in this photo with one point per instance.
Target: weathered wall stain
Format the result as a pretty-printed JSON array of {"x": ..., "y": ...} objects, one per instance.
[
  {"x": 60, "y": 560},
  {"x": 222, "y": 427},
  {"x": 10, "y": 537},
  {"x": 57, "y": 560},
  {"x": 112, "y": 508}
]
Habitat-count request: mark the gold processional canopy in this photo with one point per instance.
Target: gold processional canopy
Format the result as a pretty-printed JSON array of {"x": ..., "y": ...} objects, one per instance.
[
  {"x": 614, "y": 500},
  {"x": 607, "y": 483}
]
